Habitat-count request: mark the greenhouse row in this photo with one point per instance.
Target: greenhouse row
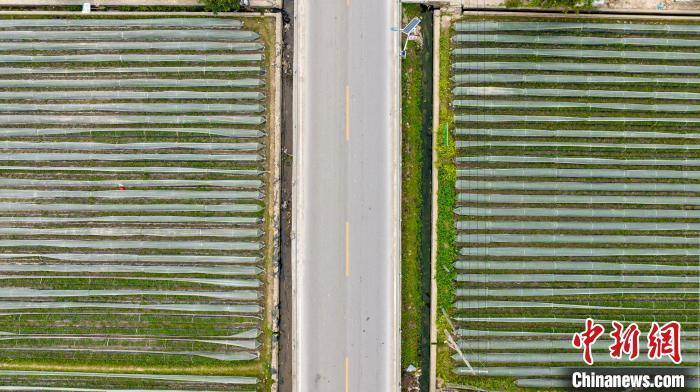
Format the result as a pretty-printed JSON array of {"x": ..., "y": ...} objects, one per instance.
[{"x": 575, "y": 133}]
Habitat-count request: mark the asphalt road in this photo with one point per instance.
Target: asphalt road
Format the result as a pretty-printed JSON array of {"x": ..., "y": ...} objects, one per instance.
[{"x": 346, "y": 196}]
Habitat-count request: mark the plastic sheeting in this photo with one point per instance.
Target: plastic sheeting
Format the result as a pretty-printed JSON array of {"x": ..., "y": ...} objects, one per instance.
[
  {"x": 579, "y": 212},
  {"x": 231, "y": 270},
  {"x": 129, "y": 194},
  {"x": 551, "y": 292},
  {"x": 548, "y": 371},
  {"x": 133, "y": 258},
  {"x": 573, "y": 133},
  {"x": 575, "y": 27},
  {"x": 570, "y": 266},
  {"x": 548, "y": 335},
  {"x": 481, "y": 251},
  {"x": 121, "y": 45},
  {"x": 233, "y": 295},
  {"x": 525, "y": 320},
  {"x": 523, "y": 304},
  {"x": 577, "y": 239},
  {"x": 135, "y": 169},
  {"x": 561, "y": 343},
  {"x": 236, "y": 356},
  {"x": 594, "y": 278},
  {"x": 129, "y": 157},
  {"x": 123, "y": 244},
  {"x": 71, "y": 120},
  {"x": 587, "y": 119},
  {"x": 240, "y": 334},
  {"x": 577, "y": 53},
  {"x": 558, "y": 92},
  {"x": 136, "y": 376},
  {"x": 21, "y": 182},
  {"x": 565, "y": 79},
  {"x": 131, "y": 232},
  {"x": 91, "y": 146},
  {"x": 225, "y": 283},
  {"x": 128, "y": 95},
  {"x": 528, "y": 143},
  {"x": 575, "y": 225},
  {"x": 42, "y": 132},
  {"x": 125, "y": 83},
  {"x": 21, "y": 305},
  {"x": 126, "y": 58},
  {"x": 238, "y": 343},
  {"x": 582, "y": 160},
  {"x": 133, "y": 107},
  {"x": 132, "y": 70},
  {"x": 576, "y": 199},
  {"x": 542, "y": 383},
  {"x": 125, "y": 35},
  {"x": 589, "y": 173},
  {"x": 123, "y": 23},
  {"x": 489, "y": 334},
  {"x": 247, "y": 220},
  {"x": 565, "y": 186},
  {"x": 131, "y": 207},
  {"x": 573, "y": 40},
  {"x": 529, "y": 358},
  {"x": 575, "y": 67},
  {"x": 630, "y": 107}
]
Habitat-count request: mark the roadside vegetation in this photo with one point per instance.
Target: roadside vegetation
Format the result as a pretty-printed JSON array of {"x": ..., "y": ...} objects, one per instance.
[
  {"x": 566, "y": 5},
  {"x": 415, "y": 231},
  {"x": 446, "y": 251},
  {"x": 221, "y": 5}
]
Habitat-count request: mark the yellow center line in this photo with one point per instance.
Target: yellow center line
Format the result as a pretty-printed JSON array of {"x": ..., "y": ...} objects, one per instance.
[
  {"x": 347, "y": 113},
  {"x": 347, "y": 374},
  {"x": 347, "y": 249}
]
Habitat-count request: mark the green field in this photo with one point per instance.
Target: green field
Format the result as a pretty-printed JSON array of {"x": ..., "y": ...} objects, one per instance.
[
  {"x": 136, "y": 225},
  {"x": 568, "y": 189}
]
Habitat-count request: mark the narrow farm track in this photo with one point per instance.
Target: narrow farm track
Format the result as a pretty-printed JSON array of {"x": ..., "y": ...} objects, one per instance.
[
  {"x": 133, "y": 203},
  {"x": 576, "y": 192}
]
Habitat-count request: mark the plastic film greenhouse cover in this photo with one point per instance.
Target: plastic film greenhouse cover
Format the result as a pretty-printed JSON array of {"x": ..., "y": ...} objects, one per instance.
[
  {"x": 579, "y": 53},
  {"x": 583, "y": 160},
  {"x": 579, "y": 67},
  {"x": 573, "y": 40},
  {"x": 577, "y": 27}
]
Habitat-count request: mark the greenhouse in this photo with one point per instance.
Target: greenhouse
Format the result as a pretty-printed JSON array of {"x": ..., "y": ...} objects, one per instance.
[
  {"x": 576, "y": 191},
  {"x": 135, "y": 196}
]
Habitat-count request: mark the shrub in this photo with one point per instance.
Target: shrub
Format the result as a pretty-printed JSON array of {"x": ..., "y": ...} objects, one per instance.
[
  {"x": 563, "y": 4},
  {"x": 513, "y": 3},
  {"x": 221, "y": 5}
]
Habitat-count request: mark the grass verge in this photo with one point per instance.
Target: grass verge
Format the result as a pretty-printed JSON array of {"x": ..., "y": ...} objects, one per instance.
[
  {"x": 266, "y": 27},
  {"x": 413, "y": 203},
  {"x": 446, "y": 250}
]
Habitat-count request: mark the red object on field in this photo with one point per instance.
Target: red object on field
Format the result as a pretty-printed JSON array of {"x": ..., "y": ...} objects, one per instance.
[{"x": 121, "y": 187}]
